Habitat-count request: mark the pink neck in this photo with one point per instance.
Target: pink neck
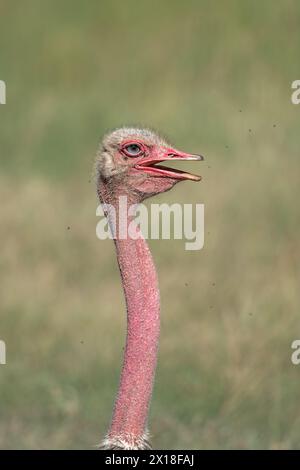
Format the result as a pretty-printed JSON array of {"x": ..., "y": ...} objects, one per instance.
[{"x": 140, "y": 286}]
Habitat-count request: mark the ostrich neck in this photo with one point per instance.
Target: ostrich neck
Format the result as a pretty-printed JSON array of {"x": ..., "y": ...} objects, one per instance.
[{"x": 140, "y": 287}]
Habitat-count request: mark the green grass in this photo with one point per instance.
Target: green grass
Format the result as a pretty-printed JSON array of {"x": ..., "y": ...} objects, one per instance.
[{"x": 204, "y": 73}]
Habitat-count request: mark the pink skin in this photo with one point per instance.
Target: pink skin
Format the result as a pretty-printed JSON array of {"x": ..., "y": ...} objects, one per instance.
[
  {"x": 142, "y": 299},
  {"x": 139, "y": 279}
]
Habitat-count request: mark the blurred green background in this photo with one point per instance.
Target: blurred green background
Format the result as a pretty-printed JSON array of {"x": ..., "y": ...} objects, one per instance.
[{"x": 215, "y": 77}]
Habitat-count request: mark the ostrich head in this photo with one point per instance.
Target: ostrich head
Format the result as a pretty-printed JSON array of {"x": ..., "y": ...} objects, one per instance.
[{"x": 129, "y": 159}]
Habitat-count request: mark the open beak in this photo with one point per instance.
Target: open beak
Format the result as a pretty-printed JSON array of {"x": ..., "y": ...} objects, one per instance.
[{"x": 151, "y": 164}]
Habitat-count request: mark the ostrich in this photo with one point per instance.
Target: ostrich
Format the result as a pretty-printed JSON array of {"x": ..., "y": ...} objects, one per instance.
[{"x": 127, "y": 164}]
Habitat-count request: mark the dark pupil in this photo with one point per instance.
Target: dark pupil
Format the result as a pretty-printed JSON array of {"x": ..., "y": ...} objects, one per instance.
[{"x": 133, "y": 149}]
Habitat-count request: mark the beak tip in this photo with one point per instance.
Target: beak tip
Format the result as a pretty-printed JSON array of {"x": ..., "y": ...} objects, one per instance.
[{"x": 197, "y": 157}]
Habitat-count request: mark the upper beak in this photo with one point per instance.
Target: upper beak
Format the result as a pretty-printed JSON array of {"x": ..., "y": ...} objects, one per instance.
[
  {"x": 174, "y": 154},
  {"x": 150, "y": 164}
]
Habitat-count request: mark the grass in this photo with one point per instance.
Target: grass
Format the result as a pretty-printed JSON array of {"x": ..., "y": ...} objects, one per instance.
[{"x": 216, "y": 80}]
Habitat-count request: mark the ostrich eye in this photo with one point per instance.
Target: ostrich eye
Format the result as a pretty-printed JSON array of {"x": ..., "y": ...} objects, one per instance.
[{"x": 133, "y": 150}]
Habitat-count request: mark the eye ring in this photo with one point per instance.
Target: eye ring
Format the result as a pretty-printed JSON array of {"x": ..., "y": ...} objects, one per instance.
[{"x": 133, "y": 150}]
